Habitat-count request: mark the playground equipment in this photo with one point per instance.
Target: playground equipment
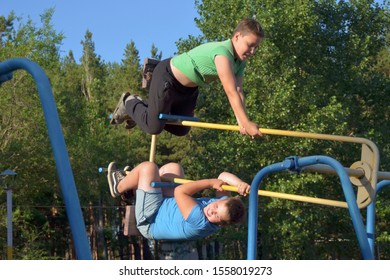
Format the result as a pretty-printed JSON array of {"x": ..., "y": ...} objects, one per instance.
[
  {"x": 363, "y": 174},
  {"x": 295, "y": 164},
  {"x": 371, "y": 214},
  {"x": 61, "y": 157}
]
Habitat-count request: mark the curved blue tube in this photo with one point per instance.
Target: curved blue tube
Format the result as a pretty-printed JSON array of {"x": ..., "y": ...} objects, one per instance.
[
  {"x": 60, "y": 152},
  {"x": 253, "y": 204},
  {"x": 296, "y": 164},
  {"x": 371, "y": 214}
]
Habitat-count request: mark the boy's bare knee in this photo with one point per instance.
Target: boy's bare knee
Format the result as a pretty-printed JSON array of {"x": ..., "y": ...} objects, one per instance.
[
  {"x": 172, "y": 169},
  {"x": 149, "y": 170},
  {"x": 147, "y": 165}
]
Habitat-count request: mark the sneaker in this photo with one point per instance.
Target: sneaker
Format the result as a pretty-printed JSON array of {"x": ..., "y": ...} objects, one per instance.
[
  {"x": 114, "y": 176},
  {"x": 120, "y": 114}
]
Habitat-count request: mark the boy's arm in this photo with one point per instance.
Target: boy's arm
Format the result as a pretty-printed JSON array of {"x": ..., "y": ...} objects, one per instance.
[
  {"x": 229, "y": 83},
  {"x": 183, "y": 193},
  {"x": 239, "y": 81},
  {"x": 233, "y": 180}
]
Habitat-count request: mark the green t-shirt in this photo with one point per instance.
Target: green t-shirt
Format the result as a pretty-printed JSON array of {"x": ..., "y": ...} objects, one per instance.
[{"x": 199, "y": 66}]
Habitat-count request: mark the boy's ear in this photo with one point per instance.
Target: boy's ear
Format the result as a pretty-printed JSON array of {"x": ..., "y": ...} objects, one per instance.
[{"x": 236, "y": 35}]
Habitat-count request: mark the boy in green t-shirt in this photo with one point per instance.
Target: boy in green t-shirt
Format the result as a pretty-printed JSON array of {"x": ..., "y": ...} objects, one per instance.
[{"x": 174, "y": 85}]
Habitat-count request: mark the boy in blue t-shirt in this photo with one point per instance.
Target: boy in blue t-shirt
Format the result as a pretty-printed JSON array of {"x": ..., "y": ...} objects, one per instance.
[{"x": 173, "y": 214}]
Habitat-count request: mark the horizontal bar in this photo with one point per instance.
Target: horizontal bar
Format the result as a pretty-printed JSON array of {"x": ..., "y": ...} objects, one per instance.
[
  {"x": 383, "y": 175},
  {"x": 294, "y": 197},
  {"x": 281, "y": 132},
  {"x": 352, "y": 172},
  {"x": 374, "y": 162},
  {"x": 102, "y": 169},
  {"x": 326, "y": 169},
  {"x": 164, "y": 184},
  {"x": 177, "y": 118}
]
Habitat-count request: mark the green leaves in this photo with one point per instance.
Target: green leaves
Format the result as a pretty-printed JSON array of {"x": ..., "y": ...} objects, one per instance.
[
  {"x": 313, "y": 73},
  {"x": 322, "y": 68}
]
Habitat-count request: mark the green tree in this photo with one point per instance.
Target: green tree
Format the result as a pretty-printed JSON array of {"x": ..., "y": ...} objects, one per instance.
[
  {"x": 126, "y": 76},
  {"x": 312, "y": 73},
  {"x": 24, "y": 141},
  {"x": 154, "y": 52},
  {"x": 322, "y": 68},
  {"x": 6, "y": 25},
  {"x": 94, "y": 69}
]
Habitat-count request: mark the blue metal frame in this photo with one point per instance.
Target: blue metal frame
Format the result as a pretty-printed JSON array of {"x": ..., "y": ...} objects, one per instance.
[
  {"x": 60, "y": 152},
  {"x": 371, "y": 214},
  {"x": 295, "y": 164}
]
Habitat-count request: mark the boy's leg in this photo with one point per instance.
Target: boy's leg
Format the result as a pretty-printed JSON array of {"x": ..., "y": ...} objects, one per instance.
[
  {"x": 171, "y": 170},
  {"x": 184, "y": 105},
  {"x": 148, "y": 199},
  {"x": 139, "y": 178},
  {"x": 160, "y": 93}
]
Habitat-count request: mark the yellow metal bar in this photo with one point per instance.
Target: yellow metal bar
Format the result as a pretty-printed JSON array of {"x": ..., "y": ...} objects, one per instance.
[
  {"x": 9, "y": 252},
  {"x": 279, "y": 132},
  {"x": 370, "y": 153},
  {"x": 294, "y": 197},
  {"x": 153, "y": 144},
  {"x": 298, "y": 134}
]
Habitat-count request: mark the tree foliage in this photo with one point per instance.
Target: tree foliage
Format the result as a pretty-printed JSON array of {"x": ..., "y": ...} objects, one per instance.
[{"x": 323, "y": 67}]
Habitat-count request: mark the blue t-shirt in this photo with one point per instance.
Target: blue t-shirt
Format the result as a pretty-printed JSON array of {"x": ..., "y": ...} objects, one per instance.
[{"x": 169, "y": 223}]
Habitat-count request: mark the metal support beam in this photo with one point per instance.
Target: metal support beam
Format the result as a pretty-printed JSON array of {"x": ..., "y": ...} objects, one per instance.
[
  {"x": 60, "y": 152},
  {"x": 292, "y": 164}
]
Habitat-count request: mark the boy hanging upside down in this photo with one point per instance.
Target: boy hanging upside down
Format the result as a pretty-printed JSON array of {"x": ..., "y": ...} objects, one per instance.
[{"x": 173, "y": 213}]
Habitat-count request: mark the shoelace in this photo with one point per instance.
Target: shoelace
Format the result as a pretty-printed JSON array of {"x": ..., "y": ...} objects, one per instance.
[{"x": 120, "y": 175}]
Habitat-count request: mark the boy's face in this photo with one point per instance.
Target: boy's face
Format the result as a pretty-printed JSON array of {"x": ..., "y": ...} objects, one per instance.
[
  {"x": 216, "y": 212},
  {"x": 245, "y": 45}
]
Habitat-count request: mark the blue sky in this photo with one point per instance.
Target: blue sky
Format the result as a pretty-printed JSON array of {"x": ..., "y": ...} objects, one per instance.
[{"x": 114, "y": 23}]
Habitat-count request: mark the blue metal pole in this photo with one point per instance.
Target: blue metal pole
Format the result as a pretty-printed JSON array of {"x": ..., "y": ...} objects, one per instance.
[
  {"x": 9, "y": 225},
  {"x": 61, "y": 157},
  {"x": 371, "y": 214},
  {"x": 253, "y": 204},
  {"x": 301, "y": 162},
  {"x": 350, "y": 198}
]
